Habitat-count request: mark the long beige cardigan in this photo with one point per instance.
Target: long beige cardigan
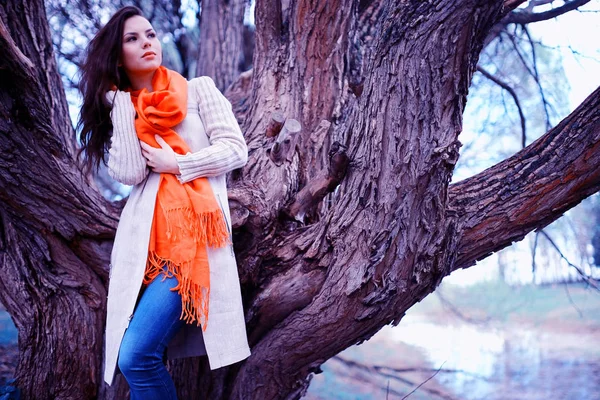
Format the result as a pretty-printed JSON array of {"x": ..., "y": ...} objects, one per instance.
[{"x": 218, "y": 146}]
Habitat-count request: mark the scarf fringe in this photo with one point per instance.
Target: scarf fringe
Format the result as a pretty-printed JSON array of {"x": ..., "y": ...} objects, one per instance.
[
  {"x": 208, "y": 228},
  {"x": 194, "y": 297}
]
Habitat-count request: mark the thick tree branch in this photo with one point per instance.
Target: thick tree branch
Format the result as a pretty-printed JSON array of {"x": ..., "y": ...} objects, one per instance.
[
  {"x": 30, "y": 35},
  {"x": 57, "y": 304},
  {"x": 385, "y": 242},
  {"x": 37, "y": 118},
  {"x": 531, "y": 189}
]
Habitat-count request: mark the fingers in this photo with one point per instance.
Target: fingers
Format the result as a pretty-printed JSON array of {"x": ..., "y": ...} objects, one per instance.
[
  {"x": 156, "y": 156},
  {"x": 146, "y": 146},
  {"x": 162, "y": 143},
  {"x": 146, "y": 150}
]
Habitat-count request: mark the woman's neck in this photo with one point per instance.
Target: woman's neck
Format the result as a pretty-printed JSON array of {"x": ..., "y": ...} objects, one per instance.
[{"x": 139, "y": 82}]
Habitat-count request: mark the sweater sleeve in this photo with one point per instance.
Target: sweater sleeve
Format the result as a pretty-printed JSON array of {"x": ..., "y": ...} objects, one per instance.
[
  {"x": 227, "y": 150},
  {"x": 126, "y": 163}
]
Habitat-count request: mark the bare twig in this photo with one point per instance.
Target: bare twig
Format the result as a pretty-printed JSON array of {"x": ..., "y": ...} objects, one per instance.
[
  {"x": 591, "y": 281},
  {"x": 457, "y": 312},
  {"x": 566, "y": 286},
  {"x": 536, "y": 76},
  {"x": 510, "y": 5},
  {"x": 512, "y": 92},
  {"x": 531, "y": 71},
  {"x": 393, "y": 374},
  {"x": 387, "y": 391},
  {"x": 424, "y": 382},
  {"x": 534, "y": 251},
  {"x": 527, "y": 17},
  {"x": 382, "y": 368}
]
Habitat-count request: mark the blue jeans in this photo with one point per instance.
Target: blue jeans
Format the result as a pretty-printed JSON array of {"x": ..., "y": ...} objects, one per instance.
[{"x": 155, "y": 321}]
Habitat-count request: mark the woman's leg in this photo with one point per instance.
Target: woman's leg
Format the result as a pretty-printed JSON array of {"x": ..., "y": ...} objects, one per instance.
[{"x": 154, "y": 323}]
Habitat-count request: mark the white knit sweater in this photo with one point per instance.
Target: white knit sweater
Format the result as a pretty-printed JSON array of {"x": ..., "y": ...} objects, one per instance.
[{"x": 227, "y": 151}]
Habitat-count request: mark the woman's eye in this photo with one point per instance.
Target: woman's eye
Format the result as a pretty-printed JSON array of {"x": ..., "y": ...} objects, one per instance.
[
  {"x": 152, "y": 35},
  {"x": 130, "y": 38}
]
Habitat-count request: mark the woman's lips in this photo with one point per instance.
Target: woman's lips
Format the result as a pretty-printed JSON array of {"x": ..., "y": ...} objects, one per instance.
[{"x": 149, "y": 54}]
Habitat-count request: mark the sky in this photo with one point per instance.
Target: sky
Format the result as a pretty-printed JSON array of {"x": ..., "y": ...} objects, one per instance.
[{"x": 578, "y": 31}]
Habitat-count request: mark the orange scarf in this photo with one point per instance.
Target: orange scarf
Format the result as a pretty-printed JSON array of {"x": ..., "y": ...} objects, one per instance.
[{"x": 187, "y": 217}]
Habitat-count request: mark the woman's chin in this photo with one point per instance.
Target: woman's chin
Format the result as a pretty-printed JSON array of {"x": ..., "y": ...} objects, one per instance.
[{"x": 145, "y": 69}]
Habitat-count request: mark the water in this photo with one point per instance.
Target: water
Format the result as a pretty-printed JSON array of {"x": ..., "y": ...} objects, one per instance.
[
  {"x": 506, "y": 362},
  {"x": 8, "y": 331}
]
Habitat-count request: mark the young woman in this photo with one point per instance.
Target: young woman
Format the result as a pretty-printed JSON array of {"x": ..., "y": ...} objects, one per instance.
[{"x": 173, "y": 288}]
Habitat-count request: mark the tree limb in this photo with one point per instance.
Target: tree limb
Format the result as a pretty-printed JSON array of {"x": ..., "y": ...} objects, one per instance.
[
  {"x": 12, "y": 57},
  {"x": 531, "y": 189}
]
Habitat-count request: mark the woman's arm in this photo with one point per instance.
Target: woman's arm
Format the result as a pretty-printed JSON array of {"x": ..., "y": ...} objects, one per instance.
[
  {"x": 126, "y": 163},
  {"x": 227, "y": 150}
]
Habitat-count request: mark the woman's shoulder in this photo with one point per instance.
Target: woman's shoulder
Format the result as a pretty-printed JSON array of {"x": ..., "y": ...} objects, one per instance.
[
  {"x": 202, "y": 84},
  {"x": 199, "y": 90},
  {"x": 207, "y": 95}
]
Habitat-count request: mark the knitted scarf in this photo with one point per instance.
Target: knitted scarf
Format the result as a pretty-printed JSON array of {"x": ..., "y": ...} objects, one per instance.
[{"x": 187, "y": 217}]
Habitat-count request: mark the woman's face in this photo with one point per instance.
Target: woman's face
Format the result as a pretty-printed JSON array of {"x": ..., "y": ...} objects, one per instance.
[{"x": 141, "y": 53}]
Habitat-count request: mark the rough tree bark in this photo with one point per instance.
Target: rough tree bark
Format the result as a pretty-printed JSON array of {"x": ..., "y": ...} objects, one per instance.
[
  {"x": 220, "y": 48},
  {"x": 318, "y": 276},
  {"x": 55, "y": 229}
]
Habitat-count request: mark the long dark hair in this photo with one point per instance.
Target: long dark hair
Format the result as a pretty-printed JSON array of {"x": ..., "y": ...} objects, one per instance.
[{"x": 100, "y": 72}]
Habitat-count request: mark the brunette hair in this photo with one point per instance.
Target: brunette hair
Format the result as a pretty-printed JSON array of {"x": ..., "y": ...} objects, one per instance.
[{"x": 100, "y": 72}]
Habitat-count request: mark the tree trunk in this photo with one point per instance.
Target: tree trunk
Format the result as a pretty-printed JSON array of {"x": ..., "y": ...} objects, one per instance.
[
  {"x": 339, "y": 228},
  {"x": 56, "y": 230},
  {"x": 220, "y": 52},
  {"x": 596, "y": 234}
]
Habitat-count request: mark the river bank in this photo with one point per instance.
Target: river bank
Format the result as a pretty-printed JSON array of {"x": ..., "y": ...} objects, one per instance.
[{"x": 489, "y": 341}]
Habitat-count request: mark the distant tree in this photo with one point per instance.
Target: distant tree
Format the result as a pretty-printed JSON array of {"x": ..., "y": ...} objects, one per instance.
[
  {"x": 596, "y": 233},
  {"x": 340, "y": 227}
]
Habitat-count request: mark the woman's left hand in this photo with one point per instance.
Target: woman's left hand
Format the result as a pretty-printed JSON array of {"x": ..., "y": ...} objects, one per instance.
[{"x": 160, "y": 160}]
